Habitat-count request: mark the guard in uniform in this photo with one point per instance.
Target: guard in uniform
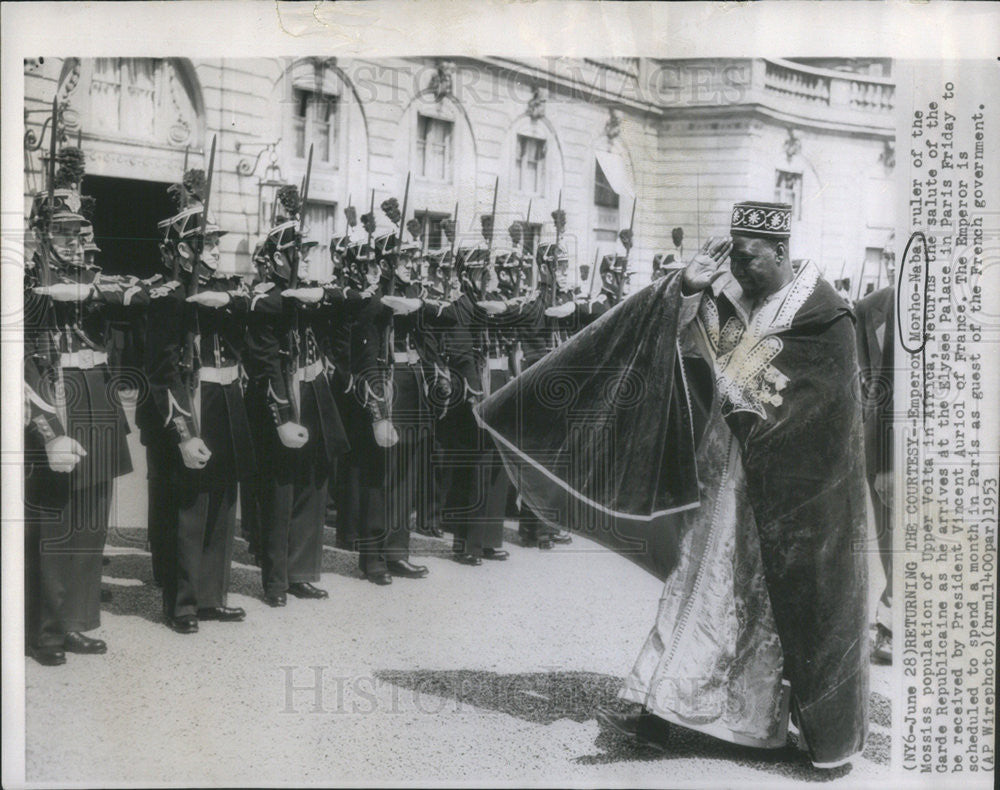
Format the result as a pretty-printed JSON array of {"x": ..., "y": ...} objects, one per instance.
[
  {"x": 195, "y": 425},
  {"x": 297, "y": 426},
  {"x": 68, "y": 313},
  {"x": 477, "y": 485},
  {"x": 393, "y": 377}
]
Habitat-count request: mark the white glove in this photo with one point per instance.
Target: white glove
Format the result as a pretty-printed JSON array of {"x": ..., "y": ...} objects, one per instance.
[
  {"x": 194, "y": 453},
  {"x": 304, "y": 295},
  {"x": 63, "y": 453},
  {"x": 293, "y": 435},
  {"x": 401, "y": 305},
  {"x": 385, "y": 433},
  {"x": 210, "y": 298},
  {"x": 560, "y": 310},
  {"x": 492, "y": 307},
  {"x": 66, "y": 292}
]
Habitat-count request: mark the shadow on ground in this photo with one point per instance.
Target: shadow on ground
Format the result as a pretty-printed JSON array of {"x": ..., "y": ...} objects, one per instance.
[
  {"x": 546, "y": 697},
  {"x": 130, "y": 562}
]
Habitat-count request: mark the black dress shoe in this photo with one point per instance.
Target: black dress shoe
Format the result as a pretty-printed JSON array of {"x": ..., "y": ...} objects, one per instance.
[
  {"x": 75, "y": 642},
  {"x": 48, "y": 656},
  {"x": 467, "y": 559},
  {"x": 382, "y": 578},
  {"x": 544, "y": 543},
  {"x": 406, "y": 569},
  {"x": 275, "y": 599},
  {"x": 562, "y": 536},
  {"x": 105, "y": 596},
  {"x": 185, "y": 624},
  {"x": 643, "y": 726},
  {"x": 306, "y": 590},
  {"x": 495, "y": 554},
  {"x": 226, "y": 614}
]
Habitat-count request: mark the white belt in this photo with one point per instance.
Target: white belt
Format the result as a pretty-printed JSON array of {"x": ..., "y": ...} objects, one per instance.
[
  {"x": 498, "y": 363},
  {"x": 310, "y": 372},
  {"x": 84, "y": 360},
  {"x": 405, "y": 357},
  {"x": 226, "y": 375}
]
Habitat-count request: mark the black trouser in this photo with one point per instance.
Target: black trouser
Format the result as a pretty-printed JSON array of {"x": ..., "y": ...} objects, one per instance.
[
  {"x": 250, "y": 513},
  {"x": 198, "y": 548},
  {"x": 477, "y": 495},
  {"x": 158, "y": 508},
  {"x": 292, "y": 520},
  {"x": 63, "y": 550},
  {"x": 388, "y": 493}
]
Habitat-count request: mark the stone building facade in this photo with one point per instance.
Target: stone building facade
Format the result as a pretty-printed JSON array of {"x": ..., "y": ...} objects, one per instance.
[{"x": 679, "y": 140}]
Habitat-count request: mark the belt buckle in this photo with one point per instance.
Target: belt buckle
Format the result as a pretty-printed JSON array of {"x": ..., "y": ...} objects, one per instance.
[
  {"x": 412, "y": 357},
  {"x": 86, "y": 358}
]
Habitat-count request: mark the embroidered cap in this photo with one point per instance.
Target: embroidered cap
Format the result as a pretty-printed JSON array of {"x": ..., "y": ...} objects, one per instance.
[{"x": 770, "y": 220}]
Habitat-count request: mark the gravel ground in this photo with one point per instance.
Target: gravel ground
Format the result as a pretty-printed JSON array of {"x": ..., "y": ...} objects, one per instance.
[{"x": 472, "y": 675}]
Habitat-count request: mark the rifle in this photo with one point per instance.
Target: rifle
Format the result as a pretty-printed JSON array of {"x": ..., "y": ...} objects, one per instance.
[
  {"x": 594, "y": 273},
  {"x": 399, "y": 238},
  {"x": 524, "y": 251},
  {"x": 555, "y": 252},
  {"x": 371, "y": 212},
  {"x": 45, "y": 272},
  {"x": 454, "y": 238},
  {"x": 388, "y": 337},
  {"x": 628, "y": 248},
  {"x": 193, "y": 340},
  {"x": 293, "y": 282}
]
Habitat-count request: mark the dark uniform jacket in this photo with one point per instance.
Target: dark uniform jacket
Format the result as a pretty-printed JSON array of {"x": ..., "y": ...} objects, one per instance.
[
  {"x": 283, "y": 338},
  {"x": 215, "y": 410},
  {"x": 74, "y": 336}
]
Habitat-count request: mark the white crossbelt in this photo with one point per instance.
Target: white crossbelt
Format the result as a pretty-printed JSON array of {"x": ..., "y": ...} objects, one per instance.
[
  {"x": 226, "y": 375},
  {"x": 310, "y": 372},
  {"x": 84, "y": 360}
]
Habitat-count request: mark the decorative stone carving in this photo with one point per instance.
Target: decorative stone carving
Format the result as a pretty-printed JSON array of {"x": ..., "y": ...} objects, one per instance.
[
  {"x": 613, "y": 127},
  {"x": 442, "y": 81},
  {"x": 536, "y": 104},
  {"x": 888, "y": 155},
  {"x": 180, "y": 131},
  {"x": 67, "y": 87},
  {"x": 792, "y": 145}
]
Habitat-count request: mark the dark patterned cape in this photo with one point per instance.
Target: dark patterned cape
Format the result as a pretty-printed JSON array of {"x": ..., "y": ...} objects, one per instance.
[{"x": 604, "y": 425}]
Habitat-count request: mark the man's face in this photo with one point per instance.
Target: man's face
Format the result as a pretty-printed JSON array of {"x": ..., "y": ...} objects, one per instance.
[
  {"x": 562, "y": 276},
  {"x": 68, "y": 243},
  {"x": 757, "y": 265},
  {"x": 403, "y": 270},
  {"x": 210, "y": 255}
]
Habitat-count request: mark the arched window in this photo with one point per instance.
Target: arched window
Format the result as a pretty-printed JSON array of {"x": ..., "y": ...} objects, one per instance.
[
  {"x": 312, "y": 112},
  {"x": 135, "y": 100}
]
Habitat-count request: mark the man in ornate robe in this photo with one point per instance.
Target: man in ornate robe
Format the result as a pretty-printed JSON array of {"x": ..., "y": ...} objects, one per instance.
[{"x": 754, "y": 522}]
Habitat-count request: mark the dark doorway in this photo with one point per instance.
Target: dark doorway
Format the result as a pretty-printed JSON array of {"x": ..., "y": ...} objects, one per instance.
[{"x": 125, "y": 220}]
